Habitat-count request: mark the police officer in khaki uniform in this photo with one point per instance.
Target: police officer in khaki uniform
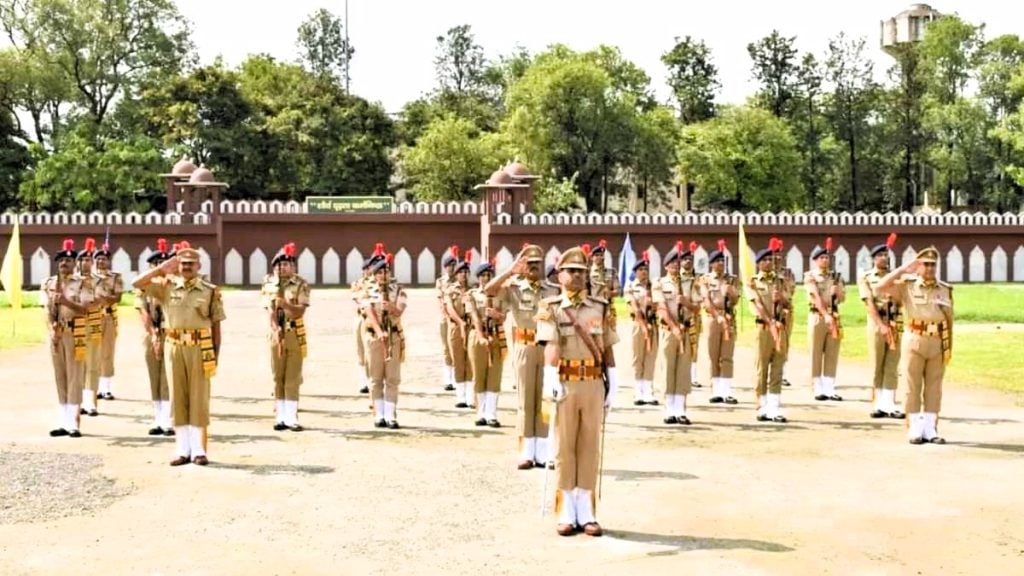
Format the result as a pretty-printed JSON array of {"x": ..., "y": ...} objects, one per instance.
[
  {"x": 459, "y": 326},
  {"x": 384, "y": 302},
  {"x": 448, "y": 262},
  {"x": 487, "y": 346},
  {"x": 551, "y": 285},
  {"x": 645, "y": 331},
  {"x": 519, "y": 291},
  {"x": 720, "y": 296},
  {"x": 153, "y": 320},
  {"x": 769, "y": 300},
  {"x": 356, "y": 291},
  {"x": 286, "y": 298},
  {"x": 825, "y": 292},
  {"x": 67, "y": 306},
  {"x": 194, "y": 311},
  {"x": 677, "y": 301},
  {"x": 604, "y": 283},
  {"x": 885, "y": 327},
  {"x": 689, "y": 274},
  {"x": 578, "y": 347},
  {"x": 99, "y": 290},
  {"x": 788, "y": 280},
  {"x": 927, "y": 344},
  {"x": 115, "y": 286}
]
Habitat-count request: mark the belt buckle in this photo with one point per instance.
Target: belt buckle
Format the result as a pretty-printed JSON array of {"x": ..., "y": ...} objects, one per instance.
[{"x": 933, "y": 329}]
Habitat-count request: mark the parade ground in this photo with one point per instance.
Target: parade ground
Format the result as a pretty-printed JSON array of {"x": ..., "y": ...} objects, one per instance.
[{"x": 831, "y": 492}]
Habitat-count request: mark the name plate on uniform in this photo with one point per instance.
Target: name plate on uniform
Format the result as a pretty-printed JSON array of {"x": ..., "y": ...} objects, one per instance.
[{"x": 349, "y": 204}]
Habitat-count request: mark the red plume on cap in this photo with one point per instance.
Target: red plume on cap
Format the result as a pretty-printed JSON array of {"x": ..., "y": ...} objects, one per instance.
[
  {"x": 454, "y": 251},
  {"x": 828, "y": 243},
  {"x": 602, "y": 244},
  {"x": 183, "y": 245},
  {"x": 644, "y": 256},
  {"x": 493, "y": 261},
  {"x": 90, "y": 244},
  {"x": 586, "y": 248},
  {"x": 378, "y": 249},
  {"x": 161, "y": 244},
  {"x": 389, "y": 258},
  {"x": 721, "y": 246},
  {"x": 69, "y": 244},
  {"x": 678, "y": 247},
  {"x": 774, "y": 244},
  {"x": 289, "y": 249},
  {"x": 890, "y": 242},
  {"x": 467, "y": 257},
  {"x": 693, "y": 246},
  {"x": 779, "y": 244}
]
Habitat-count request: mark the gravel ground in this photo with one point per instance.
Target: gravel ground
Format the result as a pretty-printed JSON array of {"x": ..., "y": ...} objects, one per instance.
[{"x": 43, "y": 486}]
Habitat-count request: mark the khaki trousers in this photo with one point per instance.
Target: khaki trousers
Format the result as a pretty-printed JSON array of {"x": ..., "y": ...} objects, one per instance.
[
  {"x": 824, "y": 348},
  {"x": 108, "y": 345},
  {"x": 720, "y": 350},
  {"x": 444, "y": 343},
  {"x": 385, "y": 375},
  {"x": 287, "y": 367},
  {"x": 921, "y": 371},
  {"x": 673, "y": 367},
  {"x": 529, "y": 362},
  {"x": 92, "y": 365},
  {"x": 486, "y": 361},
  {"x": 157, "y": 370},
  {"x": 191, "y": 387},
  {"x": 68, "y": 373},
  {"x": 769, "y": 362},
  {"x": 580, "y": 416},
  {"x": 360, "y": 347},
  {"x": 883, "y": 360},
  {"x": 644, "y": 359},
  {"x": 459, "y": 353}
]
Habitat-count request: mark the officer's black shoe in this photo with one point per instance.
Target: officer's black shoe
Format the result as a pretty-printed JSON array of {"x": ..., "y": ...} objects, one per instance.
[
  {"x": 449, "y": 388},
  {"x": 494, "y": 424},
  {"x": 897, "y": 415},
  {"x": 716, "y": 400},
  {"x": 698, "y": 385},
  {"x": 653, "y": 403},
  {"x": 393, "y": 425},
  {"x": 108, "y": 396},
  {"x": 731, "y": 400},
  {"x": 169, "y": 432},
  {"x": 83, "y": 411},
  {"x": 916, "y": 441},
  {"x": 462, "y": 405},
  {"x": 381, "y": 423},
  {"x": 156, "y": 431},
  {"x": 937, "y": 440},
  {"x": 74, "y": 434},
  {"x": 364, "y": 390},
  {"x": 763, "y": 418},
  {"x": 780, "y": 419},
  {"x": 821, "y": 397},
  {"x": 836, "y": 398},
  {"x": 879, "y": 414},
  {"x": 639, "y": 403},
  {"x": 296, "y": 428},
  {"x": 58, "y": 432},
  {"x": 481, "y": 422},
  {"x": 94, "y": 412},
  {"x": 683, "y": 420},
  {"x": 671, "y": 420},
  {"x": 786, "y": 382},
  {"x": 280, "y": 426}
]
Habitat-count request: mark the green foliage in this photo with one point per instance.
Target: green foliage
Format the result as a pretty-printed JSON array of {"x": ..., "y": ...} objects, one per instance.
[
  {"x": 323, "y": 46},
  {"x": 84, "y": 176},
  {"x": 556, "y": 195},
  {"x": 450, "y": 157},
  {"x": 775, "y": 66},
  {"x": 693, "y": 79},
  {"x": 745, "y": 159}
]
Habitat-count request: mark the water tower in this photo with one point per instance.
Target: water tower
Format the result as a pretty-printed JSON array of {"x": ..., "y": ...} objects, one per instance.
[{"x": 907, "y": 27}]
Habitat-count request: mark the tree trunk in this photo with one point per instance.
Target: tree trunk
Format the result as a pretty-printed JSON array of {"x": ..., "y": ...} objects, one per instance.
[{"x": 853, "y": 170}]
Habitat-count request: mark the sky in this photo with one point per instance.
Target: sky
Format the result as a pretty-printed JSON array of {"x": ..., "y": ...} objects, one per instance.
[{"x": 395, "y": 40}]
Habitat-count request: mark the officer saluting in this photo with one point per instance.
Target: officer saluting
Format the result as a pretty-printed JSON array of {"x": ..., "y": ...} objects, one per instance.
[
  {"x": 927, "y": 340},
  {"x": 153, "y": 319},
  {"x": 578, "y": 340},
  {"x": 194, "y": 312}
]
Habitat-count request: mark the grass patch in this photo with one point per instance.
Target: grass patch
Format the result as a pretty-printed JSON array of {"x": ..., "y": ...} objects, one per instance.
[
  {"x": 979, "y": 355},
  {"x": 27, "y": 327}
]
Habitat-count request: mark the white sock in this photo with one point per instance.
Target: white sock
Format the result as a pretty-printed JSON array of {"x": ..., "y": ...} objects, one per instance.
[
  {"x": 568, "y": 513},
  {"x": 693, "y": 372},
  {"x": 291, "y": 412},
  {"x": 818, "y": 388},
  {"x": 638, "y": 390},
  {"x": 378, "y": 409},
  {"x": 158, "y": 413},
  {"x": 460, "y": 394},
  {"x": 481, "y": 405},
  {"x": 364, "y": 381},
  {"x": 88, "y": 403},
  {"x": 470, "y": 399},
  {"x": 451, "y": 375},
  {"x": 892, "y": 400},
  {"x": 195, "y": 435},
  {"x": 182, "y": 437},
  {"x": 584, "y": 507},
  {"x": 726, "y": 384},
  {"x": 529, "y": 449},
  {"x": 916, "y": 428},
  {"x": 279, "y": 411},
  {"x": 828, "y": 384},
  {"x": 931, "y": 420},
  {"x": 492, "y": 405},
  {"x": 772, "y": 405},
  {"x": 389, "y": 411},
  {"x": 681, "y": 403},
  {"x": 70, "y": 417}
]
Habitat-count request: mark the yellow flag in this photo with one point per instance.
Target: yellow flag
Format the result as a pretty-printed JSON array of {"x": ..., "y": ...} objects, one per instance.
[
  {"x": 745, "y": 261},
  {"x": 10, "y": 272}
]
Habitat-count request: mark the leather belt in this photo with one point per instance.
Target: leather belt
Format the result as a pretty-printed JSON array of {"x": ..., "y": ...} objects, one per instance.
[
  {"x": 577, "y": 370},
  {"x": 185, "y": 337},
  {"x": 926, "y": 328},
  {"x": 524, "y": 335}
]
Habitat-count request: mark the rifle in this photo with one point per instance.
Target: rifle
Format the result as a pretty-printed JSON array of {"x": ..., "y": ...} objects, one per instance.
[
  {"x": 833, "y": 308},
  {"x": 771, "y": 322},
  {"x": 727, "y": 311},
  {"x": 156, "y": 321},
  {"x": 386, "y": 322},
  {"x": 279, "y": 316},
  {"x": 890, "y": 319}
]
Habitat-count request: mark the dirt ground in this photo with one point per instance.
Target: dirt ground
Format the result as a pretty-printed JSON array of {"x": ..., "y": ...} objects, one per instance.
[{"x": 832, "y": 492}]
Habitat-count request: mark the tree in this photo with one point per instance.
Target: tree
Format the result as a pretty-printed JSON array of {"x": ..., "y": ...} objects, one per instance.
[
  {"x": 102, "y": 47},
  {"x": 30, "y": 82},
  {"x": 775, "y": 67},
  {"x": 815, "y": 144},
  {"x": 693, "y": 79},
  {"x": 566, "y": 116},
  {"x": 14, "y": 159},
  {"x": 449, "y": 159},
  {"x": 904, "y": 112},
  {"x": 84, "y": 176},
  {"x": 744, "y": 159},
  {"x": 1002, "y": 60},
  {"x": 654, "y": 152},
  {"x": 853, "y": 101},
  {"x": 459, "y": 62},
  {"x": 324, "y": 48}
]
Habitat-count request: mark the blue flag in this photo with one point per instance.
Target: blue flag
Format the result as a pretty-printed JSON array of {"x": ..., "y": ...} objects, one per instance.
[{"x": 626, "y": 260}]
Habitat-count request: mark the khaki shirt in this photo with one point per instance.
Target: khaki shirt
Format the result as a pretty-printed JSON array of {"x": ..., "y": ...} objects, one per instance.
[
  {"x": 923, "y": 301},
  {"x": 296, "y": 291},
  {"x": 717, "y": 288},
  {"x": 476, "y": 301},
  {"x": 671, "y": 292},
  {"x": 441, "y": 285},
  {"x": 148, "y": 304},
  {"x": 867, "y": 289},
  {"x": 603, "y": 282},
  {"x": 373, "y": 296},
  {"x": 816, "y": 281},
  {"x": 455, "y": 295},
  {"x": 554, "y": 325},
  {"x": 641, "y": 293},
  {"x": 764, "y": 287},
  {"x": 522, "y": 299},
  {"x": 114, "y": 283},
  {"x": 73, "y": 289},
  {"x": 188, "y": 305}
]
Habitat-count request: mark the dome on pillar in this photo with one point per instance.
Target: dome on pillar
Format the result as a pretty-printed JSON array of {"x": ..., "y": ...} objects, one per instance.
[{"x": 183, "y": 167}]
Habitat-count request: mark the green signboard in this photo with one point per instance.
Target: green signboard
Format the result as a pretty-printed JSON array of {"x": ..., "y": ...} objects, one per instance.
[{"x": 348, "y": 204}]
